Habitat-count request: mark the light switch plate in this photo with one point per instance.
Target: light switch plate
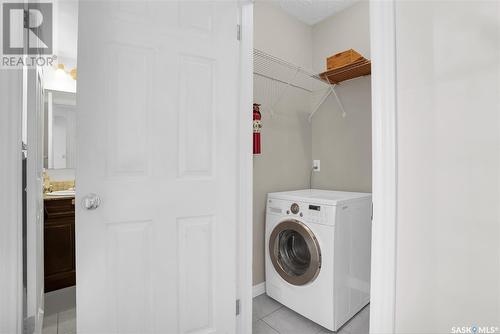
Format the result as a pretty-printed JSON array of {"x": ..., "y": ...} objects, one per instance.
[{"x": 316, "y": 165}]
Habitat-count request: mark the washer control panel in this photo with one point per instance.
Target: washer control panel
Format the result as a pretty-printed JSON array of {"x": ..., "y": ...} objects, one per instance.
[
  {"x": 310, "y": 212},
  {"x": 315, "y": 213}
]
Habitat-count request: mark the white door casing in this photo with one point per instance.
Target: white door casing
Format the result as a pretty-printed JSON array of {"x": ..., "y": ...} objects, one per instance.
[
  {"x": 384, "y": 173},
  {"x": 157, "y": 140},
  {"x": 34, "y": 200},
  {"x": 245, "y": 219},
  {"x": 11, "y": 231}
]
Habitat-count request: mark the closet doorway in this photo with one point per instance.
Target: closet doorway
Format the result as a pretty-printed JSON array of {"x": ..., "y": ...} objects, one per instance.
[{"x": 312, "y": 90}]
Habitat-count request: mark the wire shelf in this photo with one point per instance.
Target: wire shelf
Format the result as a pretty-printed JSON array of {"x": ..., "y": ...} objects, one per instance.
[
  {"x": 284, "y": 72},
  {"x": 279, "y": 75}
]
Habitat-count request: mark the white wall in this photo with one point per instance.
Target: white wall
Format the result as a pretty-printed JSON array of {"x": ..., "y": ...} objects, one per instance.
[
  {"x": 65, "y": 24},
  {"x": 343, "y": 144},
  {"x": 348, "y": 29},
  {"x": 283, "y": 36},
  {"x": 61, "y": 174},
  {"x": 448, "y": 248},
  {"x": 286, "y": 138}
]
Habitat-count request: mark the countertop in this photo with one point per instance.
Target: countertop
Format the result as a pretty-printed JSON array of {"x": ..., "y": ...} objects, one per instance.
[{"x": 56, "y": 197}]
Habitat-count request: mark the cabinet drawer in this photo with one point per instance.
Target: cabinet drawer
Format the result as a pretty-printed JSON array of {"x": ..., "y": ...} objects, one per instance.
[{"x": 59, "y": 207}]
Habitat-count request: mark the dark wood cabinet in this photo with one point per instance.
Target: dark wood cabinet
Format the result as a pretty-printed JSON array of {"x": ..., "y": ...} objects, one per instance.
[{"x": 59, "y": 243}]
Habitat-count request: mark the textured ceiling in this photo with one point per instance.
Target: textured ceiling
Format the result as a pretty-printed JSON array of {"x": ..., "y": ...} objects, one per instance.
[{"x": 314, "y": 11}]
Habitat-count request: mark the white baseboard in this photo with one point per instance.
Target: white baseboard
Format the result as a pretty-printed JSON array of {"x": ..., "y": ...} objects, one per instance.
[{"x": 258, "y": 289}]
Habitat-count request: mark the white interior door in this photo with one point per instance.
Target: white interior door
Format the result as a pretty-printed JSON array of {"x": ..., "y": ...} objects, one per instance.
[{"x": 157, "y": 142}]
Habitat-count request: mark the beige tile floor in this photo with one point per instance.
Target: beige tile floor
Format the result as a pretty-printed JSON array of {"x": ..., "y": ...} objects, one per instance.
[
  {"x": 60, "y": 312},
  {"x": 63, "y": 322},
  {"x": 270, "y": 317}
]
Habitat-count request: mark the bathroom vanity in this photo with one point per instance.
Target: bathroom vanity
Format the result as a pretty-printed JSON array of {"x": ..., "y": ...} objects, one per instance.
[{"x": 59, "y": 242}]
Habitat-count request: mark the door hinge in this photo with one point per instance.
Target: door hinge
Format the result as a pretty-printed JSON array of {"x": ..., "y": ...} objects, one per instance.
[
  {"x": 237, "y": 307},
  {"x": 238, "y": 32}
]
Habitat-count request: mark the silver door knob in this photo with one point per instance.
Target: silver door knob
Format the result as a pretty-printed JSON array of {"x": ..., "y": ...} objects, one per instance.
[{"x": 91, "y": 202}]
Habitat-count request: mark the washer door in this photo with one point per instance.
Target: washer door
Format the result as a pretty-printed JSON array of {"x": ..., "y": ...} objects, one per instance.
[{"x": 295, "y": 252}]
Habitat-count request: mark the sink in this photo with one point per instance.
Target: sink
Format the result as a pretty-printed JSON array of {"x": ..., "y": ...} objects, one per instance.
[{"x": 62, "y": 193}]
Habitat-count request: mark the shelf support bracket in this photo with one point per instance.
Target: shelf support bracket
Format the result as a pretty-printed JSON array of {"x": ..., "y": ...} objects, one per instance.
[
  {"x": 331, "y": 90},
  {"x": 338, "y": 101},
  {"x": 321, "y": 101}
]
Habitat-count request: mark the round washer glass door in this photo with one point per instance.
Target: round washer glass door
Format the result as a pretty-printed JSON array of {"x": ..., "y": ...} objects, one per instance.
[{"x": 295, "y": 252}]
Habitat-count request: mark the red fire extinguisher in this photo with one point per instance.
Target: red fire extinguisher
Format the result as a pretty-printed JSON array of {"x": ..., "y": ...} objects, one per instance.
[{"x": 257, "y": 125}]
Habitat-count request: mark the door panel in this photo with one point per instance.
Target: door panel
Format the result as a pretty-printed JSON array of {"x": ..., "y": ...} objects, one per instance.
[
  {"x": 58, "y": 259},
  {"x": 157, "y": 141},
  {"x": 129, "y": 271},
  {"x": 196, "y": 116},
  {"x": 196, "y": 275}
]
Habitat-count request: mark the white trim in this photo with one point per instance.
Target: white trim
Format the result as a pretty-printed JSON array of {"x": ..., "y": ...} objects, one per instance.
[
  {"x": 34, "y": 200},
  {"x": 11, "y": 274},
  {"x": 259, "y": 289},
  {"x": 384, "y": 137},
  {"x": 245, "y": 221}
]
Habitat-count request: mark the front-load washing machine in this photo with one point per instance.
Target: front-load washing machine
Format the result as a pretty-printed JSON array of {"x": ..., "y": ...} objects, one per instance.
[{"x": 318, "y": 253}]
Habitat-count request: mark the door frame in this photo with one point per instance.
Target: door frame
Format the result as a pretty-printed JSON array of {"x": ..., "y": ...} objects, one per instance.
[
  {"x": 11, "y": 233},
  {"x": 245, "y": 172},
  {"x": 384, "y": 172},
  {"x": 385, "y": 169},
  {"x": 17, "y": 125}
]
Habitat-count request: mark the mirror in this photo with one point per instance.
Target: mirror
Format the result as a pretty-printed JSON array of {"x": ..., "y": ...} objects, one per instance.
[{"x": 60, "y": 130}]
